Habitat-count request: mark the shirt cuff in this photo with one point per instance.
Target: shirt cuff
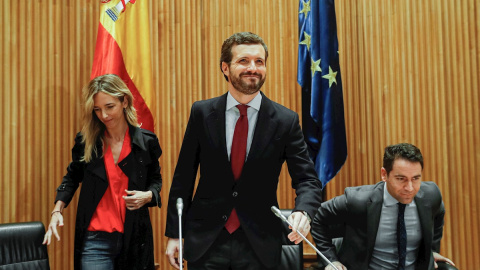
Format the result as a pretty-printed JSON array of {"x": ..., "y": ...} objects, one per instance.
[{"x": 308, "y": 217}]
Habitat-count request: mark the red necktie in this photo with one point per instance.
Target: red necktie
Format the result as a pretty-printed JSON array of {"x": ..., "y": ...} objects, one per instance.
[{"x": 237, "y": 158}]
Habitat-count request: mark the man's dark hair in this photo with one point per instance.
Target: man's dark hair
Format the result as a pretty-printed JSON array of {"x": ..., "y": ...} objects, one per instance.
[
  {"x": 401, "y": 151},
  {"x": 238, "y": 39}
]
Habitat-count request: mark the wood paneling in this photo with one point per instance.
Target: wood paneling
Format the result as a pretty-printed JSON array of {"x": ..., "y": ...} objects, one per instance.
[{"x": 410, "y": 73}]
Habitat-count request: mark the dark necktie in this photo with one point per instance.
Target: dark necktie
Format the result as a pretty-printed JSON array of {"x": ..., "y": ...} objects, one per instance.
[
  {"x": 401, "y": 237},
  {"x": 237, "y": 158}
]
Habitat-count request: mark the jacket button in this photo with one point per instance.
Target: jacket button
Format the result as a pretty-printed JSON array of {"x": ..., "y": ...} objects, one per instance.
[
  {"x": 235, "y": 194},
  {"x": 224, "y": 217}
]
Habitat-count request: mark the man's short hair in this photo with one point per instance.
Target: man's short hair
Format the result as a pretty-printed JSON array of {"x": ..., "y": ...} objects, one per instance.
[
  {"x": 238, "y": 39},
  {"x": 401, "y": 151}
]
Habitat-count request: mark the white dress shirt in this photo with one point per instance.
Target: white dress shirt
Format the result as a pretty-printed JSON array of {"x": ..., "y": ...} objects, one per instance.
[
  {"x": 385, "y": 252},
  {"x": 231, "y": 116}
]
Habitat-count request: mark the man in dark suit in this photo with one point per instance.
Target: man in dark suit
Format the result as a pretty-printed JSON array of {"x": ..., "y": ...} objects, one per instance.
[
  {"x": 394, "y": 224},
  {"x": 228, "y": 224}
]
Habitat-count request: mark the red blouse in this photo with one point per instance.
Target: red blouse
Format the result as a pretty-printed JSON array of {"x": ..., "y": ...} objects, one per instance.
[{"x": 110, "y": 213}]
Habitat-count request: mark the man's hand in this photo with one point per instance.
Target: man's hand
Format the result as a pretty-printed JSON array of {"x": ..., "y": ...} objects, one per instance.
[
  {"x": 173, "y": 246},
  {"x": 439, "y": 258},
  {"x": 337, "y": 264},
  {"x": 299, "y": 223}
]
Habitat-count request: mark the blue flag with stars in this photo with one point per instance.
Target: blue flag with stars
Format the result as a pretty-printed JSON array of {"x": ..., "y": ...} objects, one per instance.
[{"x": 322, "y": 98}]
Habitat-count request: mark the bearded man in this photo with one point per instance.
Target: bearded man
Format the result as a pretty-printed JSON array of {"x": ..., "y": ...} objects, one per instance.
[{"x": 240, "y": 141}]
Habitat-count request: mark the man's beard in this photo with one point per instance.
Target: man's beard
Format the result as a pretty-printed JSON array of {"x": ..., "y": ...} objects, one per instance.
[{"x": 247, "y": 88}]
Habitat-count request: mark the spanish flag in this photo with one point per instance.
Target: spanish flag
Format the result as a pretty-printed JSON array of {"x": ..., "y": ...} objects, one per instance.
[{"x": 123, "y": 48}]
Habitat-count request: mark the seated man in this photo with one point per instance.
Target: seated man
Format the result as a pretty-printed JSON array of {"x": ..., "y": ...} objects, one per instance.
[{"x": 394, "y": 224}]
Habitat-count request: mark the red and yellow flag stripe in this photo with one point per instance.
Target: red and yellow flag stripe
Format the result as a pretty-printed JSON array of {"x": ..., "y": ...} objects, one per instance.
[{"x": 123, "y": 48}]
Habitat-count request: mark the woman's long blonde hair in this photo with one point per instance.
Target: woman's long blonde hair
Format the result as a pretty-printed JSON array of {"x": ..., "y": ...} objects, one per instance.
[{"x": 93, "y": 128}]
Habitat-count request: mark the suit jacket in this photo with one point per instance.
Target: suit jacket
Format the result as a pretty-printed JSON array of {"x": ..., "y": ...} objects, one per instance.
[
  {"x": 355, "y": 216},
  {"x": 143, "y": 171},
  {"x": 277, "y": 138}
]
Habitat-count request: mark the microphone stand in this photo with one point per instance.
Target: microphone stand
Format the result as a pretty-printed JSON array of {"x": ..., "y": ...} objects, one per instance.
[
  {"x": 277, "y": 212},
  {"x": 180, "y": 244}
]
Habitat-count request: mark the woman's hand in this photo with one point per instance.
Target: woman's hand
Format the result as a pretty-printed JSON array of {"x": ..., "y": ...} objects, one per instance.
[
  {"x": 136, "y": 199},
  {"x": 56, "y": 220}
]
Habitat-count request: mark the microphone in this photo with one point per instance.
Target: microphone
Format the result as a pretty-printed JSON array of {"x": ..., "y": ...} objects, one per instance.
[
  {"x": 278, "y": 213},
  {"x": 180, "y": 245},
  {"x": 179, "y": 206}
]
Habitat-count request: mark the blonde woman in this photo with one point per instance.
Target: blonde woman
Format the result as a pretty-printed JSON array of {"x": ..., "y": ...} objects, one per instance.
[{"x": 117, "y": 164}]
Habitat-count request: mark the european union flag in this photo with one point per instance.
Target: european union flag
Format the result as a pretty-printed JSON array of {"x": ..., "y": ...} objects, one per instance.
[{"x": 322, "y": 98}]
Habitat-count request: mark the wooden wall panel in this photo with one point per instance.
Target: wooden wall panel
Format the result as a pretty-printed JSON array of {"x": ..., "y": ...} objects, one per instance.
[
  {"x": 410, "y": 72},
  {"x": 46, "y": 52}
]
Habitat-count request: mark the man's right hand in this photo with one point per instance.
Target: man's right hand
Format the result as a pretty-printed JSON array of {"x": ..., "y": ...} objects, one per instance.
[
  {"x": 173, "y": 247},
  {"x": 337, "y": 264}
]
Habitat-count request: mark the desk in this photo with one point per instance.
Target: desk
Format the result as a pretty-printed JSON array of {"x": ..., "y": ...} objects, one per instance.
[{"x": 309, "y": 254}]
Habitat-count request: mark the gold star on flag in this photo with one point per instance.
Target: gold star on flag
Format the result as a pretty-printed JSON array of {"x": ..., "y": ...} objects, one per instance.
[
  {"x": 330, "y": 76},
  {"x": 306, "y": 8},
  {"x": 315, "y": 66},
  {"x": 307, "y": 40}
]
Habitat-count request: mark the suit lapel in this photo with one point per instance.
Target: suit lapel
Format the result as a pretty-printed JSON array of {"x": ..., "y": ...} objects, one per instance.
[
  {"x": 97, "y": 165},
  {"x": 136, "y": 137},
  {"x": 425, "y": 216},
  {"x": 138, "y": 153},
  {"x": 264, "y": 129},
  {"x": 374, "y": 210},
  {"x": 215, "y": 122}
]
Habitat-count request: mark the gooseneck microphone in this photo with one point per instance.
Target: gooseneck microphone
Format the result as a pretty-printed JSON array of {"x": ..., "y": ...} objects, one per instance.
[
  {"x": 179, "y": 206},
  {"x": 278, "y": 213},
  {"x": 180, "y": 243}
]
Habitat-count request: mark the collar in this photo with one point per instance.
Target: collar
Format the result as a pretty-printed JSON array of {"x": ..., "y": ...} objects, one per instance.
[
  {"x": 389, "y": 200},
  {"x": 254, "y": 103},
  {"x": 136, "y": 137}
]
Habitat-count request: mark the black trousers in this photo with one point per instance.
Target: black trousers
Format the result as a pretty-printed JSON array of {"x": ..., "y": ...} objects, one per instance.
[{"x": 229, "y": 252}]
